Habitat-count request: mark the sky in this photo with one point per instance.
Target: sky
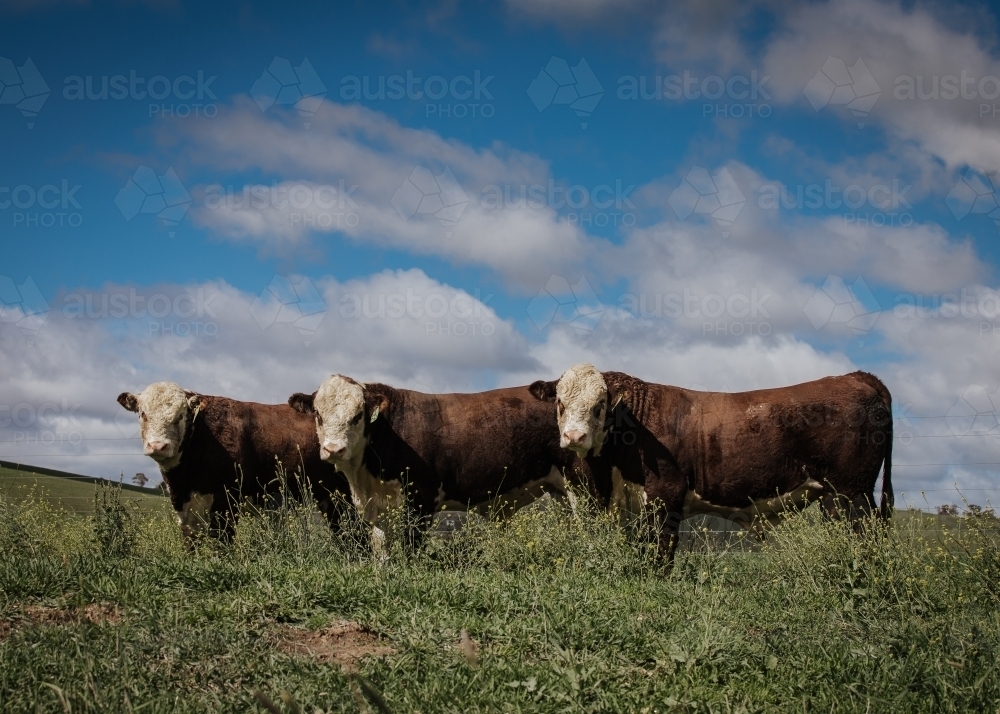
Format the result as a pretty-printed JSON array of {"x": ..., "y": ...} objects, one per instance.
[{"x": 247, "y": 197}]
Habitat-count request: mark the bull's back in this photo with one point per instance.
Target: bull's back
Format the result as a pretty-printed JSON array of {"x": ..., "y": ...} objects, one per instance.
[
  {"x": 254, "y": 438},
  {"x": 483, "y": 442},
  {"x": 755, "y": 444}
]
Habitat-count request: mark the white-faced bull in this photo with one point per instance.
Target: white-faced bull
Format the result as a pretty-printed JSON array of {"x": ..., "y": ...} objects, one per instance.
[
  {"x": 746, "y": 456},
  {"x": 459, "y": 449},
  {"x": 214, "y": 452}
]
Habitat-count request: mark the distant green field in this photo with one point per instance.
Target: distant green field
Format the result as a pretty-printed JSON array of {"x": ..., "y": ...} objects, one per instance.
[{"x": 67, "y": 491}]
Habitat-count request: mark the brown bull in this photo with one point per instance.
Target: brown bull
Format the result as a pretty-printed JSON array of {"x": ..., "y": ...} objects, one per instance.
[
  {"x": 746, "y": 456},
  {"x": 463, "y": 449},
  {"x": 214, "y": 452}
]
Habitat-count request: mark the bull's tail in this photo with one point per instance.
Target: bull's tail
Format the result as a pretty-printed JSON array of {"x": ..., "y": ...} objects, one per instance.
[{"x": 888, "y": 498}]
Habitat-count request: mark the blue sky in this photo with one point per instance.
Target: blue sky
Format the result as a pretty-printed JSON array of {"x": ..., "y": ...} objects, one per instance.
[{"x": 785, "y": 227}]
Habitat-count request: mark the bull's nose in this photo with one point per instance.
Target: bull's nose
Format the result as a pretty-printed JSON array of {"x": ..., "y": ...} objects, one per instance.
[
  {"x": 330, "y": 450},
  {"x": 156, "y": 448},
  {"x": 574, "y": 436}
]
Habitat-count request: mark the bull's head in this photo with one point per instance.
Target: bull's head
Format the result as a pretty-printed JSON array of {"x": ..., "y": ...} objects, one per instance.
[
  {"x": 582, "y": 403},
  {"x": 343, "y": 413},
  {"x": 166, "y": 412}
]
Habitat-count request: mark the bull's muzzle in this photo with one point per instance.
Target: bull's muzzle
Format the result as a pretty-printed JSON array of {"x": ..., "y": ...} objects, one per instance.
[
  {"x": 574, "y": 439},
  {"x": 158, "y": 449},
  {"x": 331, "y": 451}
]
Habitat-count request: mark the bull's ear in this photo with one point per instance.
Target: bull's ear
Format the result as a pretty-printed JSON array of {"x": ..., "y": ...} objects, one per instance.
[
  {"x": 194, "y": 401},
  {"x": 302, "y": 402},
  {"x": 381, "y": 407},
  {"x": 128, "y": 400},
  {"x": 616, "y": 397},
  {"x": 378, "y": 405},
  {"x": 543, "y": 391}
]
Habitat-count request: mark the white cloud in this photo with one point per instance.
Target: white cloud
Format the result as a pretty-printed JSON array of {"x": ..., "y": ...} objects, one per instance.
[
  {"x": 347, "y": 171},
  {"x": 59, "y": 409},
  {"x": 895, "y": 44},
  {"x": 403, "y": 328}
]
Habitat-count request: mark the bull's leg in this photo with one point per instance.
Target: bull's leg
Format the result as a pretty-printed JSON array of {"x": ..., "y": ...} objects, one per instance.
[
  {"x": 861, "y": 511},
  {"x": 857, "y": 510},
  {"x": 222, "y": 525},
  {"x": 835, "y": 506},
  {"x": 331, "y": 512},
  {"x": 668, "y": 509},
  {"x": 594, "y": 475}
]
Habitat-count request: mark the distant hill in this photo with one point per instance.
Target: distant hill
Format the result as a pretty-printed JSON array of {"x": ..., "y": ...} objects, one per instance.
[{"x": 69, "y": 491}]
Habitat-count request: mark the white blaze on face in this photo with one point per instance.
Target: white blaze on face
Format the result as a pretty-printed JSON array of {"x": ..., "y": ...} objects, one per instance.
[
  {"x": 581, "y": 407},
  {"x": 164, "y": 415},
  {"x": 193, "y": 516},
  {"x": 340, "y": 420}
]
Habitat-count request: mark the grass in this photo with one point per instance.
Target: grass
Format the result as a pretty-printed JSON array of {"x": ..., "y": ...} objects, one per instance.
[
  {"x": 69, "y": 492},
  {"x": 563, "y": 612}
]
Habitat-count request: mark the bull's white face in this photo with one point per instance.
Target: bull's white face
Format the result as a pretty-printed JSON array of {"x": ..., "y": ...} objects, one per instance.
[
  {"x": 581, "y": 407},
  {"x": 340, "y": 419},
  {"x": 165, "y": 412}
]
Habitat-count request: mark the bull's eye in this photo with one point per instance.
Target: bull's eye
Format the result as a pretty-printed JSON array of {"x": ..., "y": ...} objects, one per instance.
[
  {"x": 178, "y": 419},
  {"x": 597, "y": 410},
  {"x": 357, "y": 418},
  {"x": 319, "y": 420},
  {"x": 142, "y": 415}
]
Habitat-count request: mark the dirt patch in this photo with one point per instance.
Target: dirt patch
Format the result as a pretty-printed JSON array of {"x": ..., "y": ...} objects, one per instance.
[
  {"x": 98, "y": 613},
  {"x": 343, "y": 643}
]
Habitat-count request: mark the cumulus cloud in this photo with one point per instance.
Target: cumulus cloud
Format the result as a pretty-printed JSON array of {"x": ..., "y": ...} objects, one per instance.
[
  {"x": 908, "y": 52},
  {"x": 60, "y": 383},
  {"x": 768, "y": 263},
  {"x": 361, "y": 174}
]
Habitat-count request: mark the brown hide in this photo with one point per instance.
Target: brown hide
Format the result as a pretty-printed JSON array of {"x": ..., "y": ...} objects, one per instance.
[
  {"x": 465, "y": 448},
  {"x": 232, "y": 449},
  {"x": 733, "y": 449}
]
